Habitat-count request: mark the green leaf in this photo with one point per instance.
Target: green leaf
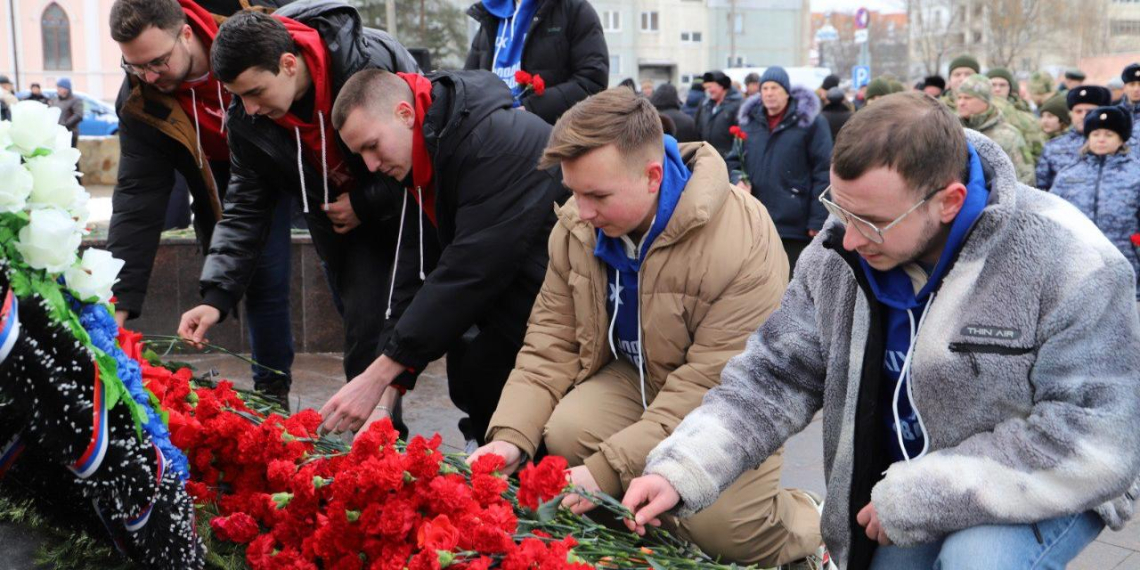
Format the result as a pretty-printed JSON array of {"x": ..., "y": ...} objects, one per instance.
[{"x": 548, "y": 511}]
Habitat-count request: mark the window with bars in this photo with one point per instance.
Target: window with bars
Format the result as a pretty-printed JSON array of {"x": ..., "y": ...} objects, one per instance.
[{"x": 56, "y": 30}]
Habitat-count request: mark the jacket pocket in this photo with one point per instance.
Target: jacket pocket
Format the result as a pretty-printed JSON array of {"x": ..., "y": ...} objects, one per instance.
[{"x": 979, "y": 348}]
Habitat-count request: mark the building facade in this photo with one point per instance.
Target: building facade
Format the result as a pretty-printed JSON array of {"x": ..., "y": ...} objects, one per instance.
[
  {"x": 44, "y": 40},
  {"x": 678, "y": 40}
]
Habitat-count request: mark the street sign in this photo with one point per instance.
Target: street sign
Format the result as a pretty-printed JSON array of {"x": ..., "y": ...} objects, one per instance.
[
  {"x": 827, "y": 33},
  {"x": 861, "y": 36},
  {"x": 862, "y": 19},
  {"x": 860, "y": 75}
]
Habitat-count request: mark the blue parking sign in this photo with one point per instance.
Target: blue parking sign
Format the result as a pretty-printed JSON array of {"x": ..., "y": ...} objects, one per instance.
[{"x": 860, "y": 75}]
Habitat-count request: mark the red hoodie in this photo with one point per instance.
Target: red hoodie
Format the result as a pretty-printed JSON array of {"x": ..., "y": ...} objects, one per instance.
[
  {"x": 205, "y": 95},
  {"x": 316, "y": 57},
  {"x": 423, "y": 174}
]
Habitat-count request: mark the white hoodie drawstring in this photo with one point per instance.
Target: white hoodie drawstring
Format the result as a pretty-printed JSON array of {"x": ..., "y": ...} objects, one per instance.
[
  {"x": 420, "y": 199},
  {"x": 396, "y": 259},
  {"x": 197, "y": 129},
  {"x": 511, "y": 28},
  {"x": 613, "y": 348},
  {"x": 909, "y": 394},
  {"x": 301, "y": 173},
  {"x": 222, "y": 105},
  {"x": 324, "y": 157}
]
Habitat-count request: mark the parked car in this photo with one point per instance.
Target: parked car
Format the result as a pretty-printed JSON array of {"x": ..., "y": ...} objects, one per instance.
[{"x": 99, "y": 118}]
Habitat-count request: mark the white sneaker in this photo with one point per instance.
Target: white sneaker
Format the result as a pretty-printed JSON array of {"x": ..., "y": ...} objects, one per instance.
[{"x": 821, "y": 559}]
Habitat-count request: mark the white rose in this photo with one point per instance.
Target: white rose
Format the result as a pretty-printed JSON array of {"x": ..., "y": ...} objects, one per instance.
[
  {"x": 80, "y": 212},
  {"x": 55, "y": 183},
  {"x": 62, "y": 149},
  {"x": 15, "y": 182},
  {"x": 94, "y": 275},
  {"x": 50, "y": 240},
  {"x": 33, "y": 126}
]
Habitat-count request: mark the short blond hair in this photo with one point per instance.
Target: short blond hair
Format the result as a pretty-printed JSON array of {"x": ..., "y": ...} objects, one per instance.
[{"x": 615, "y": 116}]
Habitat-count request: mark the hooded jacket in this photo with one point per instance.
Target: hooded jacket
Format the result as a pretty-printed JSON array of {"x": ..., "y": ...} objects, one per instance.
[
  {"x": 71, "y": 111},
  {"x": 1107, "y": 190},
  {"x": 1059, "y": 153},
  {"x": 713, "y": 274},
  {"x": 992, "y": 123},
  {"x": 265, "y": 155},
  {"x": 668, "y": 103},
  {"x": 564, "y": 44},
  {"x": 1025, "y": 374},
  {"x": 837, "y": 115},
  {"x": 157, "y": 137},
  {"x": 788, "y": 167},
  {"x": 483, "y": 261},
  {"x": 714, "y": 121}
]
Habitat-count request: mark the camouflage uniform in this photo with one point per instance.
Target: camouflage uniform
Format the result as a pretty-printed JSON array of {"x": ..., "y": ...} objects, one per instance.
[
  {"x": 1107, "y": 190},
  {"x": 1027, "y": 125},
  {"x": 1134, "y": 110},
  {"x": 992, "y": 124},
  {"x": 1063, "y": 150}
]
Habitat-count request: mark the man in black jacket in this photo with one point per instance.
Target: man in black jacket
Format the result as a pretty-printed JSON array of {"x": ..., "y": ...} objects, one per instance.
[
  {"x": 171, "y": 110},
  {"x": 559, "y": 40},
  {"x": 471, "y": 163},
  {"x": 668, "y": 103},
  {"x": 286, "y": 70},
  {"x": 717, "y": 113}
]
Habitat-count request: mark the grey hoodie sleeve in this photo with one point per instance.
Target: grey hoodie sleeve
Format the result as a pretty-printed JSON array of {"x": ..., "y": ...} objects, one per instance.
[
  {"x": 1077, "y": 449},
  {"x": 767, "y": 394}
]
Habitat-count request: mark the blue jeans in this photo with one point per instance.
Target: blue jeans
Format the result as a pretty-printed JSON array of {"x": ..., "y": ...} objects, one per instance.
[
  {"x": 1045, "y": 545},
  {"x": 267, "y": 301}
]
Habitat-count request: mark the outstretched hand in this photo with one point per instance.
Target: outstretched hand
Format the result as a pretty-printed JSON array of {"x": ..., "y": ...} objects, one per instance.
[{"x": 648, "y": 498}]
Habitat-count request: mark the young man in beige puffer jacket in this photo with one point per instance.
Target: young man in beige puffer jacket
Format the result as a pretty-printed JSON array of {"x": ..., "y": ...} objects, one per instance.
[{"x": 659, "y": 270}]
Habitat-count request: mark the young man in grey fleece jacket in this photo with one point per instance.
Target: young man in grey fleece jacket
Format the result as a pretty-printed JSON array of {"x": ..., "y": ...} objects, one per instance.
[{"x": 973, "y": 344}]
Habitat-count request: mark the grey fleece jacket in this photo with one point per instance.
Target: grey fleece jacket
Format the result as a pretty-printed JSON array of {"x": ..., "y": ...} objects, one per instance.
[{"x": 1026, "y": 373}]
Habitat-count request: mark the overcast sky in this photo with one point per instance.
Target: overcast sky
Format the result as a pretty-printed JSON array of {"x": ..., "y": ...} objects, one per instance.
[{"x": 852, "y": 5}]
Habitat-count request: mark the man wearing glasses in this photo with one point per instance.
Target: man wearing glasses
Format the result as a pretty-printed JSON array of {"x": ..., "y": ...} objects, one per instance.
[
  {"x": 973, "y": 345},
  {"x": 172, "y": 113}
]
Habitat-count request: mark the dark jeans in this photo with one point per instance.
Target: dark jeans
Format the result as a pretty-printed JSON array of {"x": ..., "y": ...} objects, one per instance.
[
  {"x": 267, "y": 302},
  {"x": 794, "y": 247},
  {"x": 477, "y": 370},
  {"x": 178, "y": 208},
  {"x": 358, "y": 265}
]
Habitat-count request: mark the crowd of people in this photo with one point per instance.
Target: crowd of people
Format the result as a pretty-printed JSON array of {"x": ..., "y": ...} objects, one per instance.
[
  {"x": 71, "y": 108},
  {"x": 664, "y": 290}
]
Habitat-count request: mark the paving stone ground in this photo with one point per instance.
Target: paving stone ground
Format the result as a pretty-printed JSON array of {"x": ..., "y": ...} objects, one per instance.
[{"x": 428, "y": 410}]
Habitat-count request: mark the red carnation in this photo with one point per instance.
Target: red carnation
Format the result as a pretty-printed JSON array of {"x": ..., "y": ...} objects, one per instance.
[
  {"x": 1136, "y": 240},
  {"x": 542, "y": 482},
  {"x": 539, "y": 85},
  {"x": 523, "y": 78},
  {"x": 437, "y": 534},
  {"x": 238, "y": 527}
]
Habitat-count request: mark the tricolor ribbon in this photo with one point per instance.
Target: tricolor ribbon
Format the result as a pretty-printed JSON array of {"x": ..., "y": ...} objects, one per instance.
[
  {"x": 9, "y": 453},
  {"x": 89, "y": 462},
  {"x": 135, "y": 524},
  {"x": 9, "y": 325}
]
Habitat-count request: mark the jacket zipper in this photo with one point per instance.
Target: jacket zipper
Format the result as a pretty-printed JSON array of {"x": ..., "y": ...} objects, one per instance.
[{"x": 1096, "y": 191}]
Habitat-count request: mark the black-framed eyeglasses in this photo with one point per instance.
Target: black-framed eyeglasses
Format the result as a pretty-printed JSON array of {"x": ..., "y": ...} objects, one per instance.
[
  {"x": 156, "y": 65},
  {"x": 865, "y": 228}
]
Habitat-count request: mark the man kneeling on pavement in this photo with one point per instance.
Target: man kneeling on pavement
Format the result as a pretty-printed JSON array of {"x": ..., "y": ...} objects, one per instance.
[
  {"x": 972, "y": 343},
  {"x": 659, "y": 270}
]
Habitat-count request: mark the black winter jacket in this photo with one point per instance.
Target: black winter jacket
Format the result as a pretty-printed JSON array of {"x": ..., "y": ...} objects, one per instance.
[
  {"x": 155, "y": 139},
  {"x": 564, "y": 44},
  {"x": 486, "y": 260},
  {"x": 713, "y": 122},
  {"x": 837, "y": 115},
  {"x": 668, "y": 103},
  {"x": 264, "y": 156},
  {"x": 789, "y": 166}
]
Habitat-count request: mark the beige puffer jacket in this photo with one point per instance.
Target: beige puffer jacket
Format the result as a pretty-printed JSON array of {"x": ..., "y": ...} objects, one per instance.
[{"x": 707, "y": 282}]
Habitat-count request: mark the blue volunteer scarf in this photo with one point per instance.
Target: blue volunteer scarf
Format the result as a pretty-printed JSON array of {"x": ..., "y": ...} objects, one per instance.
[
  {"x": 514, "y": 21},
  {"x": 623, "y": 294}
]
